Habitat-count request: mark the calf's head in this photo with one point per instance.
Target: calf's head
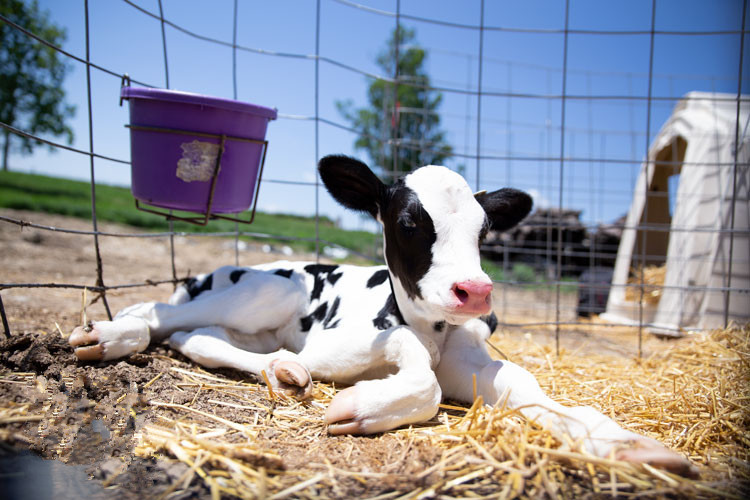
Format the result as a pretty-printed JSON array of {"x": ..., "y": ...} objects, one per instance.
[{"x": 433, "y": 225}]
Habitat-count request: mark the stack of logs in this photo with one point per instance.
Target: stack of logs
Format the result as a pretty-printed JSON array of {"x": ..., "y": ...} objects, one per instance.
[{"x": 535, "y": 242}]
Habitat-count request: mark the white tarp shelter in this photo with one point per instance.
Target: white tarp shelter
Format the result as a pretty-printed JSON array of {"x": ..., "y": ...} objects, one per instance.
[{"x": 710, "y": 212}]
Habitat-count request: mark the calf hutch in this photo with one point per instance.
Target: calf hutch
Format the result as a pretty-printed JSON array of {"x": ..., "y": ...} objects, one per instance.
[{"x": 693, "y": 220}]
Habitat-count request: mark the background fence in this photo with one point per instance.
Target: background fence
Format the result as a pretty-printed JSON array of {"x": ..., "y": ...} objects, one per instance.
[{"x": 564, "y": 104}]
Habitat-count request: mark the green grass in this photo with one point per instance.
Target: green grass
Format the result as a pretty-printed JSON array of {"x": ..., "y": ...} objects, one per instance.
[
  {"x": 40, "y": 193},
  {"x": 526, "y": 276}
]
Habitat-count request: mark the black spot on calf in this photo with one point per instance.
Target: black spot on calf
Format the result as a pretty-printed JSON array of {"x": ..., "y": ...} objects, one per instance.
[
  {"x": 194, "y": 289},
  {"x": 382, "y": 320},
  {"x": 317, "y": 288},
  {"x": 491, "y": 321},
  {"x": 305, "y": 323},
  {"x": 235, "y": 276},
  {"x": 409, "y": 234},
  {"x": 321, "y": 272},
  {"x": 320, "y": 312},
  {"x": 329, "y": 323},
  {"x": 378, "y": 278},
  {"x": 285, "y": 273},
  {"x": 317, "y": 315},
  {"x": 316, "y": 269}
]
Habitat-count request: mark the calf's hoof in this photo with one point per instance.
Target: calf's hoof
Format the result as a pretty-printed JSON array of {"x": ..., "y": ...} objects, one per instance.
[
  {"x": 655, "y": 454},
  {"x": 381, "y": 405},
  {"x": 292, "y": 379},
  {"x": 104, "y": 340},
  {"x": 340, "y": 414},
  {"x": 85, "y": 340}
]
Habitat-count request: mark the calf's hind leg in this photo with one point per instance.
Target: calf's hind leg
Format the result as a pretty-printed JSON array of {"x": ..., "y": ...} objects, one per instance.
[
  {"x": 262, "y": 301},
  {"x": 212, "y": 347}
]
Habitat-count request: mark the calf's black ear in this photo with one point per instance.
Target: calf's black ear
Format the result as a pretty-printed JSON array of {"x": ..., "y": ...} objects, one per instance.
[
  {"x": 352, "y": 183},
  {"x": 505, "y": 208}
]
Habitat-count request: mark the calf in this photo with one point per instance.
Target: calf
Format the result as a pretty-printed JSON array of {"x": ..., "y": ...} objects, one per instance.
[{"x": 403, "y": 335}]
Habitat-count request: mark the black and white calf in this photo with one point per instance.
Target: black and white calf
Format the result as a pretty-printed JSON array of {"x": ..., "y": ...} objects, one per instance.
[{"x": 403, "y": 336}]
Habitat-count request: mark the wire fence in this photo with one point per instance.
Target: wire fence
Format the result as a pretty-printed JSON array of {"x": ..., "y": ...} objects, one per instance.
[{"x": 559, "y": 250}]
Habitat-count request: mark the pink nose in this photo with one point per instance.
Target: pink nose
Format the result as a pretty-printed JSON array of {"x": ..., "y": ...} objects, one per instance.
[{"x": 474, "y": 297}]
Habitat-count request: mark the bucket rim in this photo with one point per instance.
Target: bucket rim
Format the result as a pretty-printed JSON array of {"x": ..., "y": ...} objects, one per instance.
[{"x": 178, "y": 96}]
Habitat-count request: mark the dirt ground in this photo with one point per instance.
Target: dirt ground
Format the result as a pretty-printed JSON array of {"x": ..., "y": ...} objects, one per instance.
[{"x": 89, "y": 414}]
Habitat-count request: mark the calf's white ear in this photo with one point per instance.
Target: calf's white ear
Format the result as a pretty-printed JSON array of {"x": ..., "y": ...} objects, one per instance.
[
  {"x": 504, "y": 208},
  {"x": 352, "y": 183}
]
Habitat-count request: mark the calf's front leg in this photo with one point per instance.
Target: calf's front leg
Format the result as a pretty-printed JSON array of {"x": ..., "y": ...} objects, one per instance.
[
  {"x": 465, "y": 355},
  {"x": 402, "y": 388}
]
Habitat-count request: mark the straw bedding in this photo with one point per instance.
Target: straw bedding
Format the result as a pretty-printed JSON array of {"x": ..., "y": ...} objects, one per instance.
[
  {"x": 218, "y": 434},
  {"x": 650, "y": 279}
]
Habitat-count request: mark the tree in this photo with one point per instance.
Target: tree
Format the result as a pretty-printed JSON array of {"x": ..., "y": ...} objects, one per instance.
[
  {"x": 31, "y": 76},
  {"x": 413, "y": 123}
]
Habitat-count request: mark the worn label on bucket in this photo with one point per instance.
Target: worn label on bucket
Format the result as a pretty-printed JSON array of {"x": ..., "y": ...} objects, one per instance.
[{"x": 198, "y": 161}]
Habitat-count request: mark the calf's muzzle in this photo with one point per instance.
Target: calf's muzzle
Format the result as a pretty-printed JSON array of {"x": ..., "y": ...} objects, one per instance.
[{"x": 473, "y": 297}]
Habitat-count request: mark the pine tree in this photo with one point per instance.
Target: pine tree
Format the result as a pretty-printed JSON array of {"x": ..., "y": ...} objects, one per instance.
[{"x": 411, "y": 127}]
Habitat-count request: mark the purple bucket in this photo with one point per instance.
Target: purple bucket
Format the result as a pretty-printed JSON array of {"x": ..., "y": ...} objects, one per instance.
[{"x": 174, "y": 147}]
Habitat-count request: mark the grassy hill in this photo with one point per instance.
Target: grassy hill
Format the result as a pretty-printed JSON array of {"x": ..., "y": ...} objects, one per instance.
[{"x": 115, "y": 204}]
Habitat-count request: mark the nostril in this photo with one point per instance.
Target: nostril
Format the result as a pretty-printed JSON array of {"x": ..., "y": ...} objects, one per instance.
[{"x": 460, "y": 294}]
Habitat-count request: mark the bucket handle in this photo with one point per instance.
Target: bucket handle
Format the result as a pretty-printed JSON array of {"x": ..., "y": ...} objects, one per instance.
[{"x": 124, "y": 82}]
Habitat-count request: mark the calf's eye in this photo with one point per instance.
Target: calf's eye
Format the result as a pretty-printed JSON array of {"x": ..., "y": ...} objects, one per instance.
[{"x": 407, "y": 225}]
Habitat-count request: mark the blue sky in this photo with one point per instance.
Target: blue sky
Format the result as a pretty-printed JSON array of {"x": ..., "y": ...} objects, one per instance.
[{"x": 525, "y": 126}]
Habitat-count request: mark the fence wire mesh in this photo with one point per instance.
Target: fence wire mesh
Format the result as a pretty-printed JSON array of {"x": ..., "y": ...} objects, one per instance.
[{"x": 547, "y": 138}]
